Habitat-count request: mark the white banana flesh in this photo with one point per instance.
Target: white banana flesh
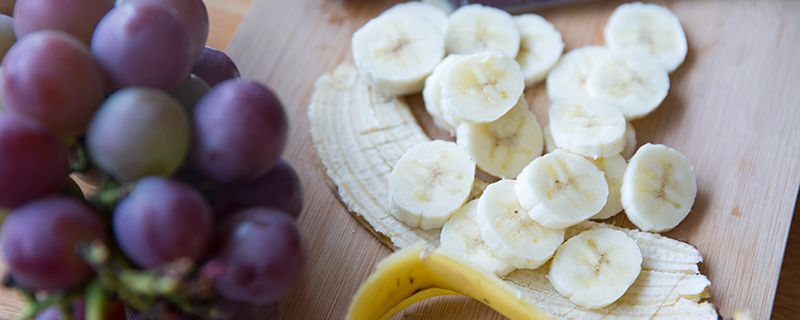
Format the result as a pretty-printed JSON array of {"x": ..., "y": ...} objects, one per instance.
[
  {"x": 596, "y": 267},
  {"x": 429, "y": 183},
  {"x": 630, "y": 141},
  {"x": 540, "y": 47},
  {"x": 613, "y": 168},
  {"x": 476, "y": 28},
  {"x": 481, "y": 87},
  {"x": 549, "y": 144},
  {"x": 504, "y": 146},
  {"x": 432, "y": 96},
  {"x": 461, "y": 238},
  {"x": 651, "y": 28},
  {"x": 658, "y": 188},
  {"x": 590, "y": 127},
  {"x": 568, "y": 78},
  {"x": 561, "y": 189},
  {"x": 510, "y": 233},
  {"x": 435, "y": 15},
  {"x": 631, "y": 80},
  {"x": 397, "y": 51}
]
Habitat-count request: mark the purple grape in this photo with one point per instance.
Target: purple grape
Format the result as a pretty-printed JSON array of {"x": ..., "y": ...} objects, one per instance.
[
  {"x": 41, "y": 240},
  {"x": 143, "y": 45},
  {"x": 33, "y": 162},
  {"x": 139, "y": 132},
  {"x": 240, "y": 131},
  {"x": 7, "y": 38},
  {"x": 279, "y": 188},
  {"x": 215, "y": 67},
  {"x": 76, "y": 17},
  {"x": 161, "y": 221},
  {"x": 261, "y": 254},
  {"x": 50, "y": 77},
  {"x": 194, "y": 15},
  {"x": 191, "y": 91}
]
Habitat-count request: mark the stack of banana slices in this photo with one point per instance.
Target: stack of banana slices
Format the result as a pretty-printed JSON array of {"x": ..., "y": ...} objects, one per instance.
[{"x": 528, "y": 224}]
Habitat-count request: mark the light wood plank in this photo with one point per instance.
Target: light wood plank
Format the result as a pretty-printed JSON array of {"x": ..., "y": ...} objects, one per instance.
[{"x": 732, "y": 110}]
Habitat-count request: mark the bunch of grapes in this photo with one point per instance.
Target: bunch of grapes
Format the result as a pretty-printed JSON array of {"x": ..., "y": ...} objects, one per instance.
[{"x": 194, "y": 211}]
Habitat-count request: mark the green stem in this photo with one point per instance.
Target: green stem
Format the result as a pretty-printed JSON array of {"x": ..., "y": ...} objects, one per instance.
[
  {"x": 34, "y": 307},
  {"x": 81, "y": 163},
  {"x": 96, "y": 301}
]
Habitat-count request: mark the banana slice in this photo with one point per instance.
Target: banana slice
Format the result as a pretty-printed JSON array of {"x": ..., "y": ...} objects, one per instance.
[
  {"x": 461, "y": 237},
  {"x": 596, "y": 267},
  {"x": 561, "y": 189},
  {"x": 503, "y": 147},
  {"x": 540, "y": 48},
  {"x": 481, "y": 87},
  {"x": 568, "y": 77},
  {"x": 429, "y": 183},
  {"x": 590, "y": 127},
  {"x": 613, "y": 169},
  {"x": 432, "y": 96},
  {"x": 476, "y": 28},
  {"x": 549, "y": 144},
  {"x": 658, "y": 188},
  {"x": 632, "y": 80},
  {"x": 510, "y": 233},
  {"x": 434, "y": 14},
  {"x": 397, "y": 51},
  {"x": 630, "y": 141},
  {"x": 648, "y": 27}
]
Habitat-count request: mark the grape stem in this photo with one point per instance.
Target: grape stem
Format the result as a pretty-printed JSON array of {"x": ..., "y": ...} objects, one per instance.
[
  {"x": 96, "y": 301},
  {"x": 34, "y": 307}
]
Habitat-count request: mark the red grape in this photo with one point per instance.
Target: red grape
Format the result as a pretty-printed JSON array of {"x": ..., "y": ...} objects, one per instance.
[
  {"x": 261, "y": 254},
  {"x": 215, "y": 66},
  {"x": 143, "y": 45},
  {"x": 7, "y": 37},
  {"x": 161, "y": 221},
  {"x": 76, "y": 17},
  {"x": 41, "y": 240},
  {"x": 191, "y": 91},
  {"x": 139, "y": 132},
  {"x": 279, "y": 188},
  {"x": 194, "y": 15},
  {"x": 51, "y": 78},
  {"x": 33, "y": 162},
  {"x": 240, "y": 131}
]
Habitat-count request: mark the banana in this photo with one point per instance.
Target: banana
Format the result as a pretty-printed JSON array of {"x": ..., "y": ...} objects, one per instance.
[
  {"x": 429, "y": 183},
  {"x": 359, "y": 133},
  {"x": 461, "y": 238},
  {"x": 397, "y": 51},
  {"x": 481, "y": 87},
  {"x": 613, "y": 169},
  {"x": 630, "y": 141},
  {"x": 503, "y": 147},
  {"x": 561, "y": 189},
  {"x": 476, "y": 28},
  {"x": 650, "y": 27},
  {"x": 658, "y": 188},
  {"x": 596, "y": 267},
  {"x": 632, "y": 80},
  {"x": 432, "y": 96},
  {"x": 435, "y": 15},
  {"x": 586, "y": 126},
  {"x": 549, "y": 144},
  {"x": 510, "y": 233},
  {"x": 568, "y": 78},
  {"x": 540, "y": 47}
]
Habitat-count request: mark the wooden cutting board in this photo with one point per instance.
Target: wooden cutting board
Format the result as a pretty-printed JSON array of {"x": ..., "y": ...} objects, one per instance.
[{"x": 733, "y": 110}]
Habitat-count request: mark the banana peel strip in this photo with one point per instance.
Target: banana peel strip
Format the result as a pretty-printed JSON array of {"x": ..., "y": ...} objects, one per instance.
[{"x": 359, "y": 133}]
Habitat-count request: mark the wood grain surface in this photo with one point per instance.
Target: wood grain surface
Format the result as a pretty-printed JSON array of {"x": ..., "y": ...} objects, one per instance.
[
  {"x": 732, "y": 110},
  {"x": 274, "y": 46}
]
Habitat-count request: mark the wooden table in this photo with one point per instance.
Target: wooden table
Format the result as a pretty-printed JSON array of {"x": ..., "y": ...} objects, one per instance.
[{"x": 341, "y": 252}]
